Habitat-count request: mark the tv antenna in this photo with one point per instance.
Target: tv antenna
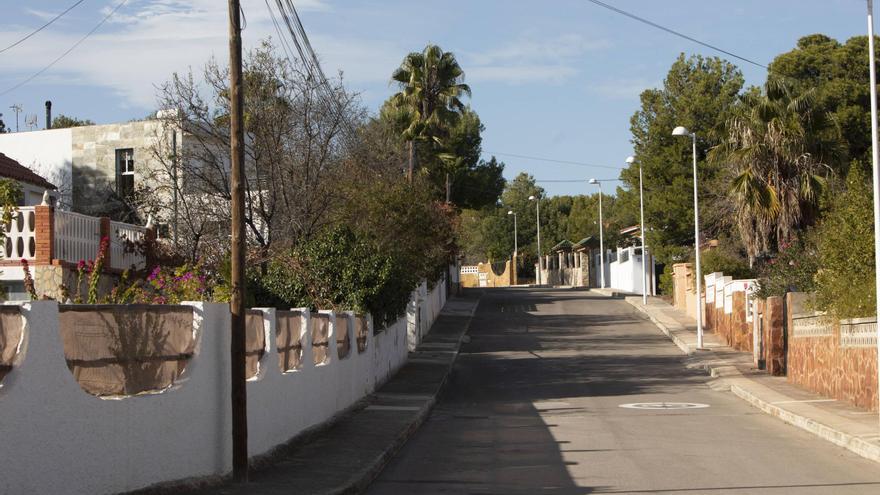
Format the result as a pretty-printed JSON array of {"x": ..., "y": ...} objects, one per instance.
[
  {"x": 30, "y": 121},
  {"x": 17, "y": 109}
]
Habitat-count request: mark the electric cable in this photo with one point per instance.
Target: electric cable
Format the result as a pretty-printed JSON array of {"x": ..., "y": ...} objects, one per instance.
[
  {"x": 44, "y": 26},
  {"x": 67, "y": 52},
  {"x": 676, "y": 33},
  {"x": 551, "y": 160}
]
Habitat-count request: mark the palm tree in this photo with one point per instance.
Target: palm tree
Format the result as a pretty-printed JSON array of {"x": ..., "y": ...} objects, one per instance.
[
  {"x": 429, "y": 100},
  {"x": 778, "y": 151}
]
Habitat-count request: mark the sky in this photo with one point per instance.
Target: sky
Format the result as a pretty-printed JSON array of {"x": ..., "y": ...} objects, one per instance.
[{"x": 557, "y": 79}]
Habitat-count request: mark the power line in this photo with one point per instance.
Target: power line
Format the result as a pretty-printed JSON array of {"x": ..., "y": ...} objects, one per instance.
[
  {"x": 44, "y": 26},
  {"x": 576, "y": 180},
  {"x": 72, "y": 48},
  {"x": 676, "y": 33},
  {"x": 551, "y": 160},
  {"x": 310, "y": 60}
]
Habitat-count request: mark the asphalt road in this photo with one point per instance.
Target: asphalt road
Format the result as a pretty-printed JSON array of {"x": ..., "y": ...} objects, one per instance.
[{"x": 533, "y": 407}]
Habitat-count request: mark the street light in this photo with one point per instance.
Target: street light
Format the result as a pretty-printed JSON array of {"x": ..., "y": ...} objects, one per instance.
[
  {"x": 682, "y": 131},
  {"x": 515, "y": 245},
  {"x": 537, "y": 201},
  {"x": 630, "y": 160},
  {"x": 601, "y": 235},
  {"x": 875, "y": 159}
]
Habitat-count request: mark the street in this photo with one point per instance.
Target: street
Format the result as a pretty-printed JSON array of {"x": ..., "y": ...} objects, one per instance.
[{"x": 534, "y": 406}]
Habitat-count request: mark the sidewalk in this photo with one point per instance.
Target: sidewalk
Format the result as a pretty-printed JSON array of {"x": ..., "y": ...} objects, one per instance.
[
  {"x": 854, "y": 429},
  {"x": 347, "y": 455}
]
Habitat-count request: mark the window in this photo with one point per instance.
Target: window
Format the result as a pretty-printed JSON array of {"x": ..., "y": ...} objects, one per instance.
[{"x": 125, "y": 172}]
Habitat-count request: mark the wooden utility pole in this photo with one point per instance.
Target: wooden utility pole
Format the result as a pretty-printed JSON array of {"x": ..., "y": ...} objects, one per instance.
[
  {"x": 448, "y": 190},
  {"x": 236, "y": 302}
]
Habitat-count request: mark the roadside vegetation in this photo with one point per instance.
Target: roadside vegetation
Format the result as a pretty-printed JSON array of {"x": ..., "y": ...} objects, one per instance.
[{"x": 784, "y": 173}]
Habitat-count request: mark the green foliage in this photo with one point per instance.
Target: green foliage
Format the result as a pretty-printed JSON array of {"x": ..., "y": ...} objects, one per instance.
[
  {"x": 341, "y": 271},
  {"x": 778, "y": 146},
  {"x": 837, "y": 73},
  {"x": 698, "y": 93},
  {"x": 164, "y": 285},
  {"x": 10, "y": 196},
  {"x": 63, "y": 122},
  {"x": 845, "y": 239},
  {"x": 792, "y": 270},
  {"x": 721, "y": 260},
  {"x": 667, "y": 283}
]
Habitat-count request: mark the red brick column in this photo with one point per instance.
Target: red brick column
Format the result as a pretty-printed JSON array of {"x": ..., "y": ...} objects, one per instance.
[
  {"x": 150, "y": 237},
  {"x": 44, "y": 234},
  {"x": 774, "y": 338}
]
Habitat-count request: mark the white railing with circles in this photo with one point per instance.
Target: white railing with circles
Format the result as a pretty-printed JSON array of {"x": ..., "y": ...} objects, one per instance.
[
  {"x": 123, "y": 237},
  {"x": 20, "y": 242}
]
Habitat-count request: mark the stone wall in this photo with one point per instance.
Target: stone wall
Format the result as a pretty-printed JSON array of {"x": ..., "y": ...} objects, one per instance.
[
  {"x": 94, "y": 160},
  {"x": 837, "y": 359}
]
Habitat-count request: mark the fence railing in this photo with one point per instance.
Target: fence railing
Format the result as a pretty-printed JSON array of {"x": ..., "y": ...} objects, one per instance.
[
  {"x": 21, "y": 236},
  {"x": 122, "y": 237},
  {"x": 42, "y": 234},
  {"x": 77, "y": 236}
]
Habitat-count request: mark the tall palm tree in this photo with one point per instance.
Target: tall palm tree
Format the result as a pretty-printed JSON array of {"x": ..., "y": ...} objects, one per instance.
[
  {"x": 429, "y": 100},
  {"x": 778, "y": 151}
]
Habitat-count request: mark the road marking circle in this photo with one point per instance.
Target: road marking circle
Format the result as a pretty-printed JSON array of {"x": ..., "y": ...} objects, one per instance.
[{"x": 664, "y": 405}]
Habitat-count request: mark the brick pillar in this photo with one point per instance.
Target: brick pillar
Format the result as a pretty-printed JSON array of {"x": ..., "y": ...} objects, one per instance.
[
  {"x": 514, "y": 276},
  {"x": 774, "y": 336},
  {"x": 44, "y": 234},
  {"x": 739, "y": 329},
  {"x": 150, "y": 236}
]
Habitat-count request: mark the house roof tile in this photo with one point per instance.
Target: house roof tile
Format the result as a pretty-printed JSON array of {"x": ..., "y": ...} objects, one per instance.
[{"x": 11, "y": 169}]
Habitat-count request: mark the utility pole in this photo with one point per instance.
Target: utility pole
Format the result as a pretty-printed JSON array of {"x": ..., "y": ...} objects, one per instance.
[
  {"x": 875, "y": 161},
  {"x": 176, "y": 181},
  {"x": 447, "y": 188},
  {"x": 17, "y": 109},
  {"x": 236, "y": 303}
]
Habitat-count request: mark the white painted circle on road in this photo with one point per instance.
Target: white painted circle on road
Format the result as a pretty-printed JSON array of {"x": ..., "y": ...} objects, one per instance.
[{"x": 664, "y": 405}]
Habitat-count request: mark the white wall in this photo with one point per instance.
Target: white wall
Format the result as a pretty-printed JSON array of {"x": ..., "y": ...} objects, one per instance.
[
  {"x": 58, "y": 439},
  {"x": 628, "y": 276},
  {"x": 49, "y": 153}
]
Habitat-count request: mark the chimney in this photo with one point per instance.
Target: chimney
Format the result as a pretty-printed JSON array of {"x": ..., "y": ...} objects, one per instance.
[{"x": 48, "y": 114}]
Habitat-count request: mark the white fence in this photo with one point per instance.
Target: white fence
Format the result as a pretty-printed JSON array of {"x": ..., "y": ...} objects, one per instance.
[
  {"x": 21, "y": 236},
  {"x": 77, "y": 236},
  {"x": 58, "y": 439},
  {"x": 122, "y": 238}
]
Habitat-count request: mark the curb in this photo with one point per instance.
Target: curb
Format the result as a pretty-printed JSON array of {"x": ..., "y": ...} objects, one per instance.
[
  {"x": 682, "y": 345},
  {"x": 367, "y": 475},
  {"x": 849, "y": 442},
  {"x": 729, "y": 375}
]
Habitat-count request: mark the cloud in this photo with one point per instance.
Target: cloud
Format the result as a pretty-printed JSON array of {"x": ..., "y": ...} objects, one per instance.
[
  {"x": 622, "y": 88},
  {"x": 139, "y": 47},
  {"x": 532, "y": 59}
]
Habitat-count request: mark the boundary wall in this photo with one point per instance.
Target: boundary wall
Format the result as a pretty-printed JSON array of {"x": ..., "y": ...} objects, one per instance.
[
  {"x": 834, "y": 358},
  {"x": 56, "y": 438}
]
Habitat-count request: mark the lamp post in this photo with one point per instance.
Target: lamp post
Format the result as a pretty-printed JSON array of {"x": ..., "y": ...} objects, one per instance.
[
  {"x": 515, "y": 245},
  {"x": 601, "y": 236},
  {"x": 875, "y": 159},
  {"x": 681, "y": 131},
  {"x": 630, "y": 160},
  {"x": 537, "y": 201}
]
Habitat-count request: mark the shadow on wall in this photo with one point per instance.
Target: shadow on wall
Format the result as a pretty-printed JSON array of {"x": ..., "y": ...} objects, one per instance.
[{"x": 126, "y": 350}]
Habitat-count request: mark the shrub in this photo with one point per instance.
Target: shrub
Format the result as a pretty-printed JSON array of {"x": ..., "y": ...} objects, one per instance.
[
  {"x": 719, "y": 260},
  {"x": 339, "y": 270},
  {"x": 792, "y": 269},
  {"x": 845, "y": 240}
]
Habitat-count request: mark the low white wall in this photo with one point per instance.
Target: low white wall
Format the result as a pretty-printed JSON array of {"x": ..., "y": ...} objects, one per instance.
[{"x": 58, "y": 439}]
